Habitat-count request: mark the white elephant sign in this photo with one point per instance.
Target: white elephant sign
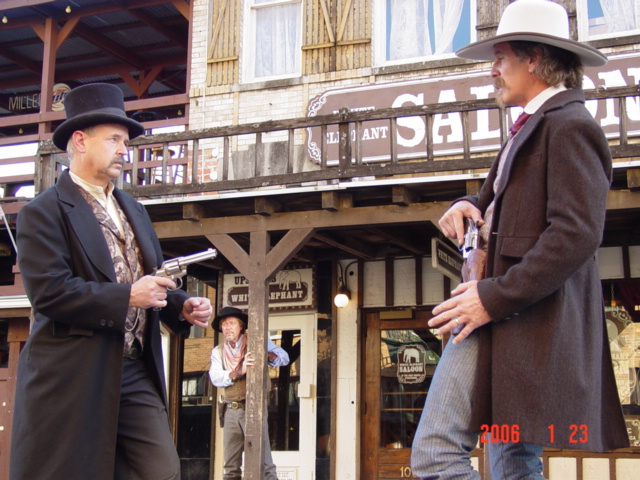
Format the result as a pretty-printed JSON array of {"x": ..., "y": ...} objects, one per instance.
[{"x": 411, "y": 363}]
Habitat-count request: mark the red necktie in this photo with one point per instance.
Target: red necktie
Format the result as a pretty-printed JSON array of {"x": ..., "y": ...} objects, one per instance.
[{"x": 519, "y": 122}]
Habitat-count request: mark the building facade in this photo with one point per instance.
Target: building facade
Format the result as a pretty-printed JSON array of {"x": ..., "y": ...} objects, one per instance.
[{"x": 322, "y": 141}]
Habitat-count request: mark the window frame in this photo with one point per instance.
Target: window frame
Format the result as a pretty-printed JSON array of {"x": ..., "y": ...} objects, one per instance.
[
  {"x": 582, "y": 15},
  {"x": 248, "y": 59},
  {"x": 379, "y": 42}
]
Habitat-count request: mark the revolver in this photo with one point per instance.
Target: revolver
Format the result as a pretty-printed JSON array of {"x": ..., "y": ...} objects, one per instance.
[
  {"x": 176, "y": 268},
  {"x": 471, "y": 238}
]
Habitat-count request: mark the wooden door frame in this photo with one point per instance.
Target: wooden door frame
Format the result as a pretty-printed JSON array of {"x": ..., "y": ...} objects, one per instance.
[{"x": 370, "y": 424}]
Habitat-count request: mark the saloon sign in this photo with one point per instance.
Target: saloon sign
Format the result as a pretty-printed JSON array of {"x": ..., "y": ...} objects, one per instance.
[
  {"x": 622, "y": 70},
  {"x": 412, "y": 365},
  {"x": 289, "y": 289}
]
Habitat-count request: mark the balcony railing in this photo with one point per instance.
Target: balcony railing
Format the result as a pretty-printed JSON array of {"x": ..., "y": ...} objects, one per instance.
[{"x": 337, "y": 147}]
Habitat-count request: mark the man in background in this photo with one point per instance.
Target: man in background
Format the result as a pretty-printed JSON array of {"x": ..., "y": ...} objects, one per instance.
[{"x": 229, "y": 362}]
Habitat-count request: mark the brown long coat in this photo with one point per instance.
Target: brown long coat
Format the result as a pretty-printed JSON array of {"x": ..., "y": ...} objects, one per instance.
[
  {"x": 544, "y": 359},
  {"x": 69, "y": 372}
]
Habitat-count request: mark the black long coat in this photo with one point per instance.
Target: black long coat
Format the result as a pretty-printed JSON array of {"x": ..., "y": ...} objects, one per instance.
[
  {"x": 544, "y": 359},
  {"x": 68, "y": 384}
]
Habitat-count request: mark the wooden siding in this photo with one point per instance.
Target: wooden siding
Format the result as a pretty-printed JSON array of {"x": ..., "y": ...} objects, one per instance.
[
  {"x": 337, "y": 35},
  {"x": 224, "y": 40},
  {"x": 318, "y": 44}
]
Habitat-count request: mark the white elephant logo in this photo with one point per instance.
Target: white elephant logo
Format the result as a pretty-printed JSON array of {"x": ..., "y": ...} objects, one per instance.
[
  {"x": 286, "y": 277},
  {"x": 411, "y": 355}
]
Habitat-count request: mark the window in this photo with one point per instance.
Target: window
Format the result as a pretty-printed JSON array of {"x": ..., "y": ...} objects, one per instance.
[
  {"x": 608, "y": 18},
  {"x": 272, "y": 39},
  {"x": 623, "y": 331},
  {"x": 418, "y": 30}
]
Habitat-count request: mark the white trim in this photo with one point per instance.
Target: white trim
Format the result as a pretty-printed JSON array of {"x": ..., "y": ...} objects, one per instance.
[{"x": 14, "y": 301}]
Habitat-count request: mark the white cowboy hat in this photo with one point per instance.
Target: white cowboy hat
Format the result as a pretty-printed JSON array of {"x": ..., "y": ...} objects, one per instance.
[{"x": 540, "y": 21}]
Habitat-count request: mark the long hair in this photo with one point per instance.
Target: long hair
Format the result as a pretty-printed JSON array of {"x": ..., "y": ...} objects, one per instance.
[{"x": 557, "y": 66}]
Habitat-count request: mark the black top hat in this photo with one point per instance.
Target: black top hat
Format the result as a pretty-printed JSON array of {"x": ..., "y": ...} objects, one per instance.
[
  {"x": 229, "y": 312},
  {"x": 93, "y": 104}
]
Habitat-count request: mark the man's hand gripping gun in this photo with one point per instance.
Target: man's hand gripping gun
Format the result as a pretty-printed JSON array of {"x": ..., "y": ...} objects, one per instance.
[
  {"x": 475, "y": 258},
  {"x": 176, "y": 268},
  {"x": 471, "y": 238}
]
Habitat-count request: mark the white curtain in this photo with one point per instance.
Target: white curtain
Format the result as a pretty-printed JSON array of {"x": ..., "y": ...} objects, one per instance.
[
  {"x": 408, "y": 22},
  {"x": 621, "y": 15},
  {"x": 277, "y": 40},
  {"x": 446, "y": 18},
  {"x": 408, "y": 29}
]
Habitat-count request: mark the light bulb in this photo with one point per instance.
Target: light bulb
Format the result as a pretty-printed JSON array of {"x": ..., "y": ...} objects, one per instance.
[{"x": 341, "y": 300}]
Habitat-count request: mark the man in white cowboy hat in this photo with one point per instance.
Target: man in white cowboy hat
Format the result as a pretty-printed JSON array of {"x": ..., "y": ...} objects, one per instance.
[
  {"x": 90, "y": 394},
  {"x": 229, "y": 362},
  {"x": 530, "y": 366}
]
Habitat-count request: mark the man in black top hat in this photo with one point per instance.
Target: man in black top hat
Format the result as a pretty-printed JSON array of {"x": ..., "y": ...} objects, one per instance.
[
  {"x": 229, "y": 363},
  {"x": 90, "y": 394}
]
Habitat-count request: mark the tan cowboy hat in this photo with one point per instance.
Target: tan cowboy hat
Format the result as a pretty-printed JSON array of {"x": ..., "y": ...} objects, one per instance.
[
  {"x": 93, "y": 104},
  {"x": 540, "y": 21}
]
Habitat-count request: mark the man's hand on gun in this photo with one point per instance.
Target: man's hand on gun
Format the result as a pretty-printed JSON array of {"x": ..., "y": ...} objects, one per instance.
[
  {"x": 463, "y": 312},
  {"x": 150, "y": 292}
]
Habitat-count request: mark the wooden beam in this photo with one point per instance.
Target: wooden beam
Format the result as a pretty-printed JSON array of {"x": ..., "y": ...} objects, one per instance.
[
  {"x": 166, "y": 31},
  {"x": 256, "y": 401},
  {"x": 623, "y": 200},
  {"x": 473, "y": 186},
  {"x": 27, "y": 64},
  {"x": 403, "y": 195},
  {"x": 351, "y": 246},
  {"x": 286, "y": 248},
  {"x": 360, "y": 216},
  {"x": 633, "y": 178},
  {"x": 110, "y": 47},
  {"x": 233, "y": 252},
  {"x": 183, "y": 7},
  {"x": 403, "y": 242},
  {"x": 258, "y": 266},
  {"x": 48, "y": 72},
  {"x": 66, "y": 30},
  {"x": 334, "y": 201},
  {"x": 266, "y": 206},
  {"x": 192, "y": 211}
]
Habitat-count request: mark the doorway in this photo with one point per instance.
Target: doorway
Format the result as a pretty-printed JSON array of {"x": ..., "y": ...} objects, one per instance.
[
  {"x": 400, "y": 357},
  {"x": 292, "y": 399}
]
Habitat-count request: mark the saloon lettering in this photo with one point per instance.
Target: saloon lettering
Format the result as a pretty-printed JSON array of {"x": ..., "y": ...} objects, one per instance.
[{"x": 447, "y": 132}]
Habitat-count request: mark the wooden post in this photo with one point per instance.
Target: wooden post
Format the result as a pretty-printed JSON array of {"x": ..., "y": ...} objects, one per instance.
[{"x": 258, "y": 266}]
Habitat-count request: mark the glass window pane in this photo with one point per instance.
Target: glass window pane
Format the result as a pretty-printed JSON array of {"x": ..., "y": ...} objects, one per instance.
[
  {"x": 421, "y": 28},
  {"x": 606, "y": 17},
  {"x": 408, "y": 360},
  {"x": 277, "y": 40},
  {"x": 624, "y": 342},
  {"x": 283, "y": 405}
]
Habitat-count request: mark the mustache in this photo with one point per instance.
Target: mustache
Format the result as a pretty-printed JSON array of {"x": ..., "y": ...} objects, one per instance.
[{"x": 498, "y": 83}]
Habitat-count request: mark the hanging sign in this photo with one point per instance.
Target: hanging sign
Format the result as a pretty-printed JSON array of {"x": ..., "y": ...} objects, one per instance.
[
  {"x": 445, "y": 259},
  {"x": 289, "y": 289}
]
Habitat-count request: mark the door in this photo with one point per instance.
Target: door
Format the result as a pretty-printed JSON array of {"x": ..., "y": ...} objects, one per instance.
[
  {"x": 400, "y": 357},
  {"x": 292, "y": 400}
]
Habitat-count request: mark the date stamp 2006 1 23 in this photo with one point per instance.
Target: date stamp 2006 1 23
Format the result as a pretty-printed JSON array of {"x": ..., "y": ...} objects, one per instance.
[{"x": 511, "y": 433}]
